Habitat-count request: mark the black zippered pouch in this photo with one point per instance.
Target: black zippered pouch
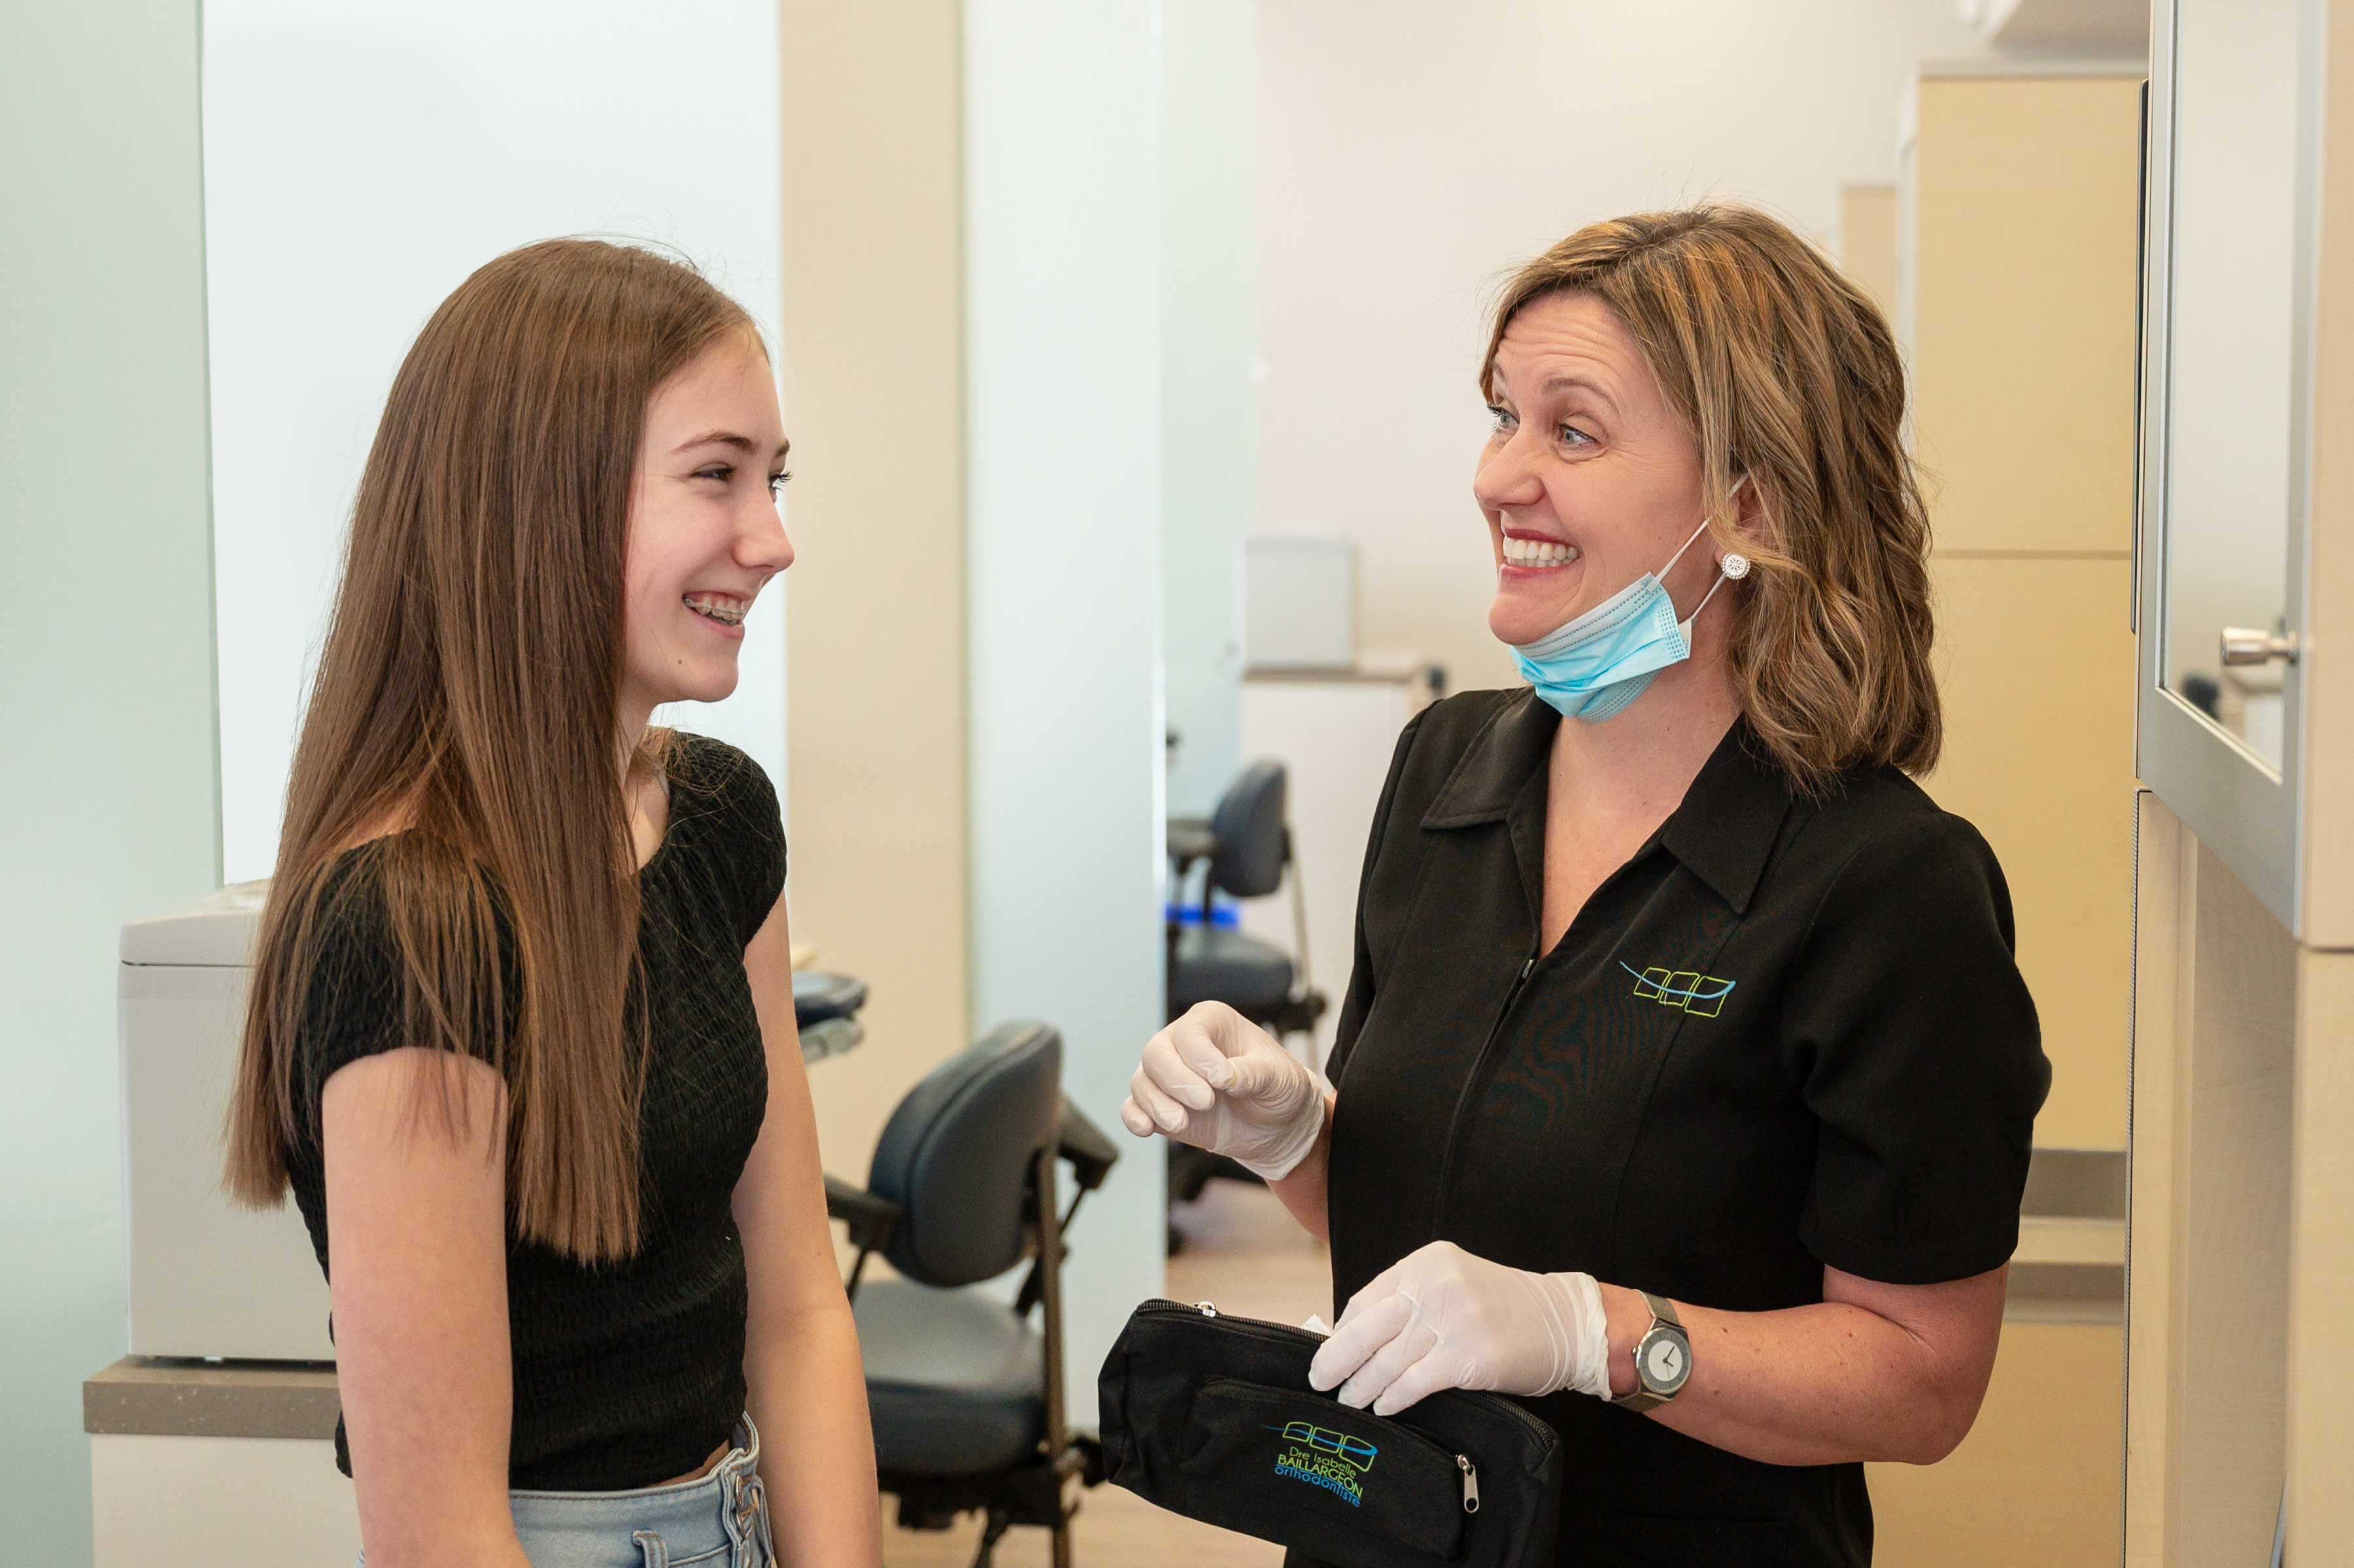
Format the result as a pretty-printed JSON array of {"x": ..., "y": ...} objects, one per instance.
[{"x": 1212, "y": 1417}]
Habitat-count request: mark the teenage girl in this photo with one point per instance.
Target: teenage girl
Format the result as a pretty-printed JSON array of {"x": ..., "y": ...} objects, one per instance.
[{"x": 521, "y": 1038}]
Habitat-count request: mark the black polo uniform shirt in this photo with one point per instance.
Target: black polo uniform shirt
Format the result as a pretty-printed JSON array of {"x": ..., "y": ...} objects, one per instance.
[{"x": 1787, "y": 1033}]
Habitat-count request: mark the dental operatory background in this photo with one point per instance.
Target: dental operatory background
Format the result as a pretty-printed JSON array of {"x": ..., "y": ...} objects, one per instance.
[{"x": 1127, "y": 351}]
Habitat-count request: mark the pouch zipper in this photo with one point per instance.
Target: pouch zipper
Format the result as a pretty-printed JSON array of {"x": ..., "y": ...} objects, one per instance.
[
  {"x": 1471, "y": 1482},
  {"x": 1463, "y": 1100},
  {"x": 1284, "y": 1334}
]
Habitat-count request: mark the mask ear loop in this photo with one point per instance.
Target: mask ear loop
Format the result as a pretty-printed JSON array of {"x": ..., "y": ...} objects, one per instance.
[{"x": 1729, "y": 565}]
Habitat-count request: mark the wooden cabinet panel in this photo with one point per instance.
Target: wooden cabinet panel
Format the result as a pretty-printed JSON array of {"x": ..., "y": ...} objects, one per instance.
[
  {"x": 2035, "y": 1484},
  {"x": 2320, "y": 1352},
  {"x": 2036, "y": 669},
  {"x": 2212, "y": 1272},
  {"x": 1868, "y": 243},
  {"x": 875, "y": 634},
  {"x": 2026, "y": 204}
]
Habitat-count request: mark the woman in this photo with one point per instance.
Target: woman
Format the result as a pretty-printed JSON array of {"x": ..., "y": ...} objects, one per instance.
[
  {"x": 1685, "y": 1068},
  {"x": 521, "y": 1037}
]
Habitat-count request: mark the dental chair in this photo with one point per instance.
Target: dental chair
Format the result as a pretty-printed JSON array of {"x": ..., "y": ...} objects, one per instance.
[
  {"x": 1243, "y": 847},
  {"x": 966, "y": 1395}
]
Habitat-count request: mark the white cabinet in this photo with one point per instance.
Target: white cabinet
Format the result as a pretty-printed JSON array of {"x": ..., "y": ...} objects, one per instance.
[
  {"x": 216, "y": 1467},
  {"x": 207, "y": 1277}
]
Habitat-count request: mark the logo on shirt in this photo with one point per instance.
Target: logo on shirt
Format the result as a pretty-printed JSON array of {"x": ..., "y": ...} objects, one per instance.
[
  {"x": 1700, "y": 995},
  {"x": 1331, "y": 1460}
]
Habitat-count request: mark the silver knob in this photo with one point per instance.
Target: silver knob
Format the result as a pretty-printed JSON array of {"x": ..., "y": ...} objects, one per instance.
[{"x": 2245, "y": 645}]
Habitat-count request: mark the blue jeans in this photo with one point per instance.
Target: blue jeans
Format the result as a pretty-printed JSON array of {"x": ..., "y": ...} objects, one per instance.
[{"x": 719, "y": 1520}]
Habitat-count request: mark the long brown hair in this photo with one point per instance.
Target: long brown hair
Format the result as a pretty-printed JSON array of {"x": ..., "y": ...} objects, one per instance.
[
  {"x": 468, "y": 686},
  {"x": 1788, "y": 376}
]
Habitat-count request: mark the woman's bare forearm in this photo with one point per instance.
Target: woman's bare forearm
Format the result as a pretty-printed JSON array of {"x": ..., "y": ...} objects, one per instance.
[
  {"x": 805, "y": 1385},
  {"x": 808, "y": 1396},
  {"x": 1303, "y": 1191},
  {"x": 1833, "y": 1383},
  {"x": 416, "y": 1245}
]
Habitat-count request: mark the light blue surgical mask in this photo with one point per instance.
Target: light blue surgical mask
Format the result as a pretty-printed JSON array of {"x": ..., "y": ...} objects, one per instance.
[{"x": 1593, "y": 667}]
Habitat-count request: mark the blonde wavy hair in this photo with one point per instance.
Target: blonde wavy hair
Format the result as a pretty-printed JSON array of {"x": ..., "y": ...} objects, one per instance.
[{"x": 1787, "y": 375}]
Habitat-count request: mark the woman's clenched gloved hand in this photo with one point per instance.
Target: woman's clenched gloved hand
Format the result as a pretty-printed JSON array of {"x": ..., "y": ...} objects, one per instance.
[
  {"x": 1439, "y": 1318},
  {"x": 1217, "y": 1081}
]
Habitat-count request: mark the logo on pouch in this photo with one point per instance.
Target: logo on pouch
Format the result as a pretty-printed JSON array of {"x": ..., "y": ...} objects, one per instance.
[
  {"x": 1331, "y": 1460},
  {"x": 1700, "y": 995}
]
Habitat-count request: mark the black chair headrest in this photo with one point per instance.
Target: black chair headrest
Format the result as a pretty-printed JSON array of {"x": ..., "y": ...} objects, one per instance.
[
  {"x": 817, "y": 996},
  {"x": 1248, "y": 825},
  {"x": 958, "y": 1154}
]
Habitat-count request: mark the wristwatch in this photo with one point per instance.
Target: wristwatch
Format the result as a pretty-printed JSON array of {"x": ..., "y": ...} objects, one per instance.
[{"x": 1662, "y": 1358}]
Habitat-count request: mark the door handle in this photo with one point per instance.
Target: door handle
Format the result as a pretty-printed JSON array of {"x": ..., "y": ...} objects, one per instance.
[{"x": 2245, "y": 645}]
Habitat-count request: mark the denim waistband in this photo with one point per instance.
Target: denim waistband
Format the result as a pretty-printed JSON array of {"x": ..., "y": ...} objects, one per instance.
[{"x": 719, "y": 1520}]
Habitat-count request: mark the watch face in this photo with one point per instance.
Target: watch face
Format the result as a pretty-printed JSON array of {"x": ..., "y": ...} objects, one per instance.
[{"x": 1665, "y": 1360}]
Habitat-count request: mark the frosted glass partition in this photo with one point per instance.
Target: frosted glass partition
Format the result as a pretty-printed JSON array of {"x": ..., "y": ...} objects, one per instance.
[{"x": 361, "y": 159}]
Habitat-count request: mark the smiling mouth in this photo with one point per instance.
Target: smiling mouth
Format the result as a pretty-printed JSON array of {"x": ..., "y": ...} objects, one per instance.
[
  {"x": 723, "y": 608},
  {"x": 1537, "y": 553}
]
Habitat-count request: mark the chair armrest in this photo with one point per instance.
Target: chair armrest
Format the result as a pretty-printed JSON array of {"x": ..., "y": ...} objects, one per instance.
[
  {"x": 1189, "y": 839},
  {"x": 872, "y": 1220},
  {"x": 1080, "y": 1142}
]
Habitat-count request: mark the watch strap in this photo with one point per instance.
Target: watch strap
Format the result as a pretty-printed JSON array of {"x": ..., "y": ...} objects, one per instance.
[{"x": 1663, "y": 1313}]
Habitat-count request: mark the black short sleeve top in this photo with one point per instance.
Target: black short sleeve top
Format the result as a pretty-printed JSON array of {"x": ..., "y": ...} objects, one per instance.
[
  {"x": 625, "y": 1373},
  {"x": 1785, "y": 1034}
]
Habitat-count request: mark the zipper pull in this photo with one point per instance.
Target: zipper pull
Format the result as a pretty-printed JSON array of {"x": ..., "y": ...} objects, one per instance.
[
  {"x": 1528, "y": 968},
  {"x": 1471, "y": 1482},
  {"x": 1207, "y": 1309}
]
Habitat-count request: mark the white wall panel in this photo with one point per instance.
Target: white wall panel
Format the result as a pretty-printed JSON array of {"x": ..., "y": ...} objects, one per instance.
[
  {"x": 1209, "y": 273},
  {"x": 1062, "y": 424},
  {"x": 360, "y": 160},
  {"x": 1410, "y": 156},
  {"x": 107, "y": 809}
]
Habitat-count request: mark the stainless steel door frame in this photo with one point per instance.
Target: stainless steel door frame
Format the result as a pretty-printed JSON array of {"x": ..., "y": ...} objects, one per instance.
[{"x": 2249, "y": 814}]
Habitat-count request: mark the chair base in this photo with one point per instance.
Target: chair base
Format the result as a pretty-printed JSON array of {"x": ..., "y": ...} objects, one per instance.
[
  {"x": 1296, "y": 1015},
  {"x": 1031, "y": 1494},
  {"x": 1192, "y": 1168}
]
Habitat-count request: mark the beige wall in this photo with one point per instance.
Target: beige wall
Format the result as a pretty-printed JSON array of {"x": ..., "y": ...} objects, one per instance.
[
  {"x": 1411, "y": 152},
  {"x": 2024, "y": 200},
  {"x": 873, "y": 380}
]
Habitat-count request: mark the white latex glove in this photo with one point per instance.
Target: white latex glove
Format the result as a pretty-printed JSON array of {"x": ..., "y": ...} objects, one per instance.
[
  {"x": 1217, "y": 1081},
  {"x": 1439, "y": 1318}
]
